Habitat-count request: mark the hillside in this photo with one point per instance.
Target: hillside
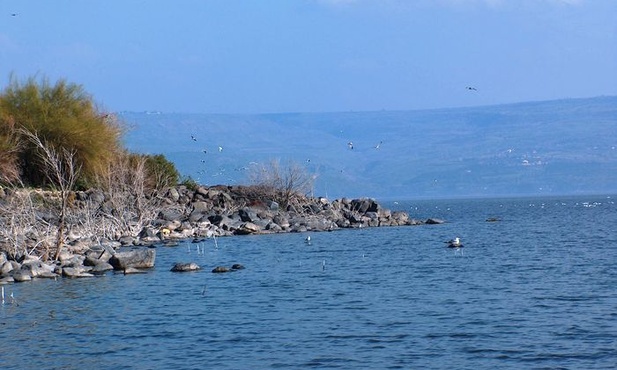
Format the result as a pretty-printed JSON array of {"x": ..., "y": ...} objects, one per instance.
[{"x": 553, "y": 147}]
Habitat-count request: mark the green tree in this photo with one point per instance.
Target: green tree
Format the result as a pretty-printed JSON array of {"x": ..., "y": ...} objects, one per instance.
[{"x": 63, "y": 116}]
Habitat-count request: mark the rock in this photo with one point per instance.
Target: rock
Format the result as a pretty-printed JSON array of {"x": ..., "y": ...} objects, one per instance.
[
  {"x": 173, "y": 194},
  {"x": 170, "y": 215},
  {"x": 282, "y": 221},
  {"x": 96, "y": 196},
  {"x": 132, "y": 271},
  {"x": 101, "y": 268},
  {"x": 247, "y": 228},
  {"x": 126, "y": 240},
  {"x": 75, "y": 272},
  {"x": 6, "y": 280},
  {"x": 237, "y": 266},
  {"x": 273, "y": 227},
  {"x": 6, "y": 268},
  {"x": 140, "y": 258},
  {"x": 75, "y": 261},
  {"x": 95, "y": 257},
  {"x": 21, "y": 276},
  {"x": 48, "y": 275},
  {"x": 247, "y": 215},
  {"x": 220, "y": 269},
  {"x": 184, "y": 267},
  {"x": 36, "y": 268}
]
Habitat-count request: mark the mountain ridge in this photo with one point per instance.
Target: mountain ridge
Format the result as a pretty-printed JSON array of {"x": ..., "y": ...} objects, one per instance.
[{"x": 564, "y": 146}]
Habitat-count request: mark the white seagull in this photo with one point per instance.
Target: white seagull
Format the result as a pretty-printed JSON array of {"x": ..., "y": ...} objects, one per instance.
[{"x": 454, "y": 243}]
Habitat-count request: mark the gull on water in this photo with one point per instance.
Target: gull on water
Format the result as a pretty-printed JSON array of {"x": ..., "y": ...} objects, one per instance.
[{"x": 455, "y": 243}]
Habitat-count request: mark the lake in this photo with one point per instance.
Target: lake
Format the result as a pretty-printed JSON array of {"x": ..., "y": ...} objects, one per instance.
[{"x": 536, "y": 289}]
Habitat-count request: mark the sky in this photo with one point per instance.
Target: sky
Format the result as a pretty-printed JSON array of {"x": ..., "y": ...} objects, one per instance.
[{"x": 275, "y": 56}]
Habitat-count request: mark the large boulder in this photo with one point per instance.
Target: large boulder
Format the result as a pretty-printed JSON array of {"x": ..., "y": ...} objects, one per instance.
[{"x": 139, "y": 258}]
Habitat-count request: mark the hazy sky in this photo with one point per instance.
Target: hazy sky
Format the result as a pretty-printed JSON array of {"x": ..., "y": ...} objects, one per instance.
[{"x": 258, "y": 56}]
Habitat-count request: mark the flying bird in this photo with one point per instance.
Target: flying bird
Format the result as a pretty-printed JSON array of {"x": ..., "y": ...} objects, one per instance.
[
  {"x": 471, "y": 88},
  {"x": 193, "y": 137},
  {"x": 378, "y": 145},
  {"x": 350, "y": 145}
]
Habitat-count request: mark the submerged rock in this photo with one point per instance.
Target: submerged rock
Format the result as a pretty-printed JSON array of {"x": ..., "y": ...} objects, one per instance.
[{"x": 185, "y": 267}]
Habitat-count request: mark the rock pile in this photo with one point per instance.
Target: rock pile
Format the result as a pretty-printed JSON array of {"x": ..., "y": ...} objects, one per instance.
[{"x": 184, "y": 213}]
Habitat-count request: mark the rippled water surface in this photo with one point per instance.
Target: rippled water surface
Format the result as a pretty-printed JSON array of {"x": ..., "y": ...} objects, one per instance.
[{"x": 537, "y": 289}]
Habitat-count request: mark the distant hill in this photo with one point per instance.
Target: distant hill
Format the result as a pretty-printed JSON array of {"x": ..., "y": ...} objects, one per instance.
[{"x": 550, "y": 147}]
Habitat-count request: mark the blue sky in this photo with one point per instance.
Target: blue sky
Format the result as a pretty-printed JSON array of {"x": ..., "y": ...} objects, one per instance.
[{"x": 265, "y": 56}]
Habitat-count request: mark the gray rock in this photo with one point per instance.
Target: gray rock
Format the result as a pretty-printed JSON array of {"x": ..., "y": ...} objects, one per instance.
[
  {"x": 248, "y": 228},
  {"x": 96, "y": 196},
  {"x": 75, "y": 272},
  {"x": 140, "y": 258},
  {"x": 185, "y": 267},
  {"x": 6, "y": 280},
  {"x": 220, "y": 269},
  {"x": 132, "y": 271},
  {"x": 6, "y": 268},
  {"x": 126, "y": 240},
  {"x": 247, "y": 215},
  {"x": 47, "y": 275},
  {"x": 21, "y": 276},
  {"x": 173, "y": 194},
  {"x": 101, "y": 267},
  {"x": 36, "y": 268},
  {"x": 170, "y": 215}
]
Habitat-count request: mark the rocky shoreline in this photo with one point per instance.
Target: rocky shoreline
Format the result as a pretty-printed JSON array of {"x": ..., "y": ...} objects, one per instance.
[{"x": 180, "y": 214}]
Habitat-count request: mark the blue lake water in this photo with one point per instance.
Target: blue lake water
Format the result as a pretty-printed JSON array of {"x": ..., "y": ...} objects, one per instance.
[{"x": 536, "y": 290}]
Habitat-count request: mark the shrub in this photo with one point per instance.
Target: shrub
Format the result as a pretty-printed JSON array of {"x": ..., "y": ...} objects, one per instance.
[
  {"x": 160, "y": 171},
  {"x": 281, "y": 183},
  {"x": 190, "y": 183},
  {"x": 64, "y": 117}
]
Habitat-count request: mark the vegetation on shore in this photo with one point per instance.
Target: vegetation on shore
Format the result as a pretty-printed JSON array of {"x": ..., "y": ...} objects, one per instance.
[{"x": 64, "y": 171}]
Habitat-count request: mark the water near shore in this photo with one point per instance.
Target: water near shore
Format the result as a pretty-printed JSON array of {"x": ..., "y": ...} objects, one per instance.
[{"x": 535, "y": 289}]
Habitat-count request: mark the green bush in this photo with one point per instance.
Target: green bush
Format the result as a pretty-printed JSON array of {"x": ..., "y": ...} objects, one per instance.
[
  {"x": 161, "y": 172},
  {"x": 63, "y": 116},
  {"x": 190, "y": 183}
]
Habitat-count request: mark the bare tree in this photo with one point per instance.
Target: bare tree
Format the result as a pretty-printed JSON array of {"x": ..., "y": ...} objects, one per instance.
[
  {"x": 18, "y": 215},
  {"x": 130, "y": 204},
  {"x": 62, "y": 173},
  {"x": 282, "y": 183}
]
